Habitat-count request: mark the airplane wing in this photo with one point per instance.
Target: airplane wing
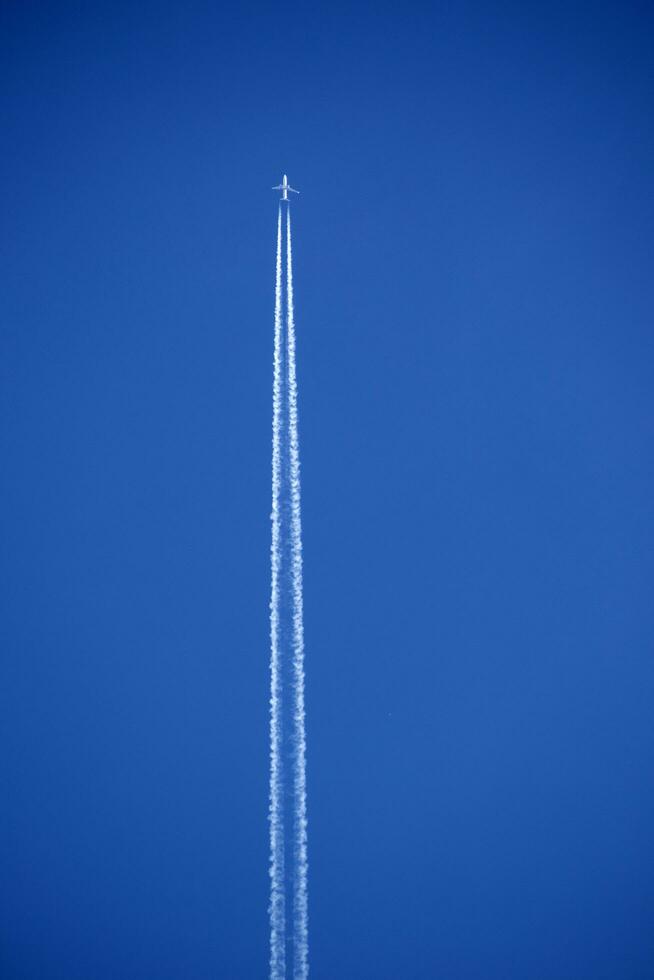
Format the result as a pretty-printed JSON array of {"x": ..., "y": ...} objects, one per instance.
[
  {"x": 280, "y": 187},
  {"x": 289, "y": 188}
]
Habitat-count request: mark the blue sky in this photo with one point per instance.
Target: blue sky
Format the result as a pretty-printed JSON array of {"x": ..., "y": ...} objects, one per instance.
[{"x": 474, "y": 303}]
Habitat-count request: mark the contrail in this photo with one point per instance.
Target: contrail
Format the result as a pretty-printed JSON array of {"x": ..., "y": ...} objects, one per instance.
[
  {"x": 300, "y": 894},
  {"x": 288, "y": 907},
  {"x": 276, "y": 806}
]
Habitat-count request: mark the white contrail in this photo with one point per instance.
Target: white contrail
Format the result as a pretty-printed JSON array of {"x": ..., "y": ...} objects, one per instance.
[
  {"x": 277, "y": 909},
  {"x": 288, "y": 830},
  {"x": 300, "y": 891}
]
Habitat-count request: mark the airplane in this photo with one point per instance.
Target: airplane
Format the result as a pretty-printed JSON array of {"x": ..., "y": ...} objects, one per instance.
[{"x": 285, "y": 187}]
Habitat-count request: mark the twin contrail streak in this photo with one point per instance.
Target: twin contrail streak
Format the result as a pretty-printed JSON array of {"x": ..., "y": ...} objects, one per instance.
[
  {"x": 288, "y": 797},
  {"x": 276, "y": 808}
]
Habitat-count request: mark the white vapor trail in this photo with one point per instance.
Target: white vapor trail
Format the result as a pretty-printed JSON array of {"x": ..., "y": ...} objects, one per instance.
[
  {"x": 300, "y": 891},
  {"x": 277, "y": 909},
  {"x": 288, "y": 909}
]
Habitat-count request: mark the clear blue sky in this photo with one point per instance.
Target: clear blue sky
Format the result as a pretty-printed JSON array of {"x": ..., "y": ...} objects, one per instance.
[{"x": 474, "y": 300}]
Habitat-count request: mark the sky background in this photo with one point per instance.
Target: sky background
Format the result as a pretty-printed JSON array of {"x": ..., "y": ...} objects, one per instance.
[{"x": 474, "y": 299}]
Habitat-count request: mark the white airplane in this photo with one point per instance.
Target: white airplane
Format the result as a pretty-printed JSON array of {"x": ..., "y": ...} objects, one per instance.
[{"x": 285, "y": 187}]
